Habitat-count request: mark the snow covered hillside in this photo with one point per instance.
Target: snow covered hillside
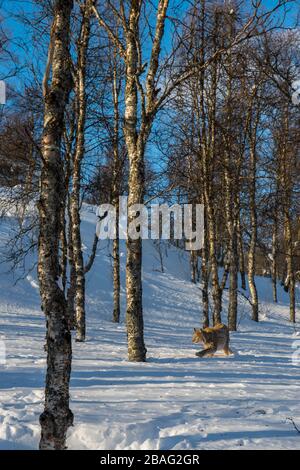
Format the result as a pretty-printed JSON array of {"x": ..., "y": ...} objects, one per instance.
[{"x": 175, "y": 400}]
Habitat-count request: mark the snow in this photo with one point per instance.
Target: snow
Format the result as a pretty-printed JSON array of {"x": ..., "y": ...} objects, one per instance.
[{"x": 173, "y": 401}]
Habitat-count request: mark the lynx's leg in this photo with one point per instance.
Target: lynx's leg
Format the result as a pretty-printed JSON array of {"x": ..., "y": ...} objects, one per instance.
[{"x": 209, "y": 352}]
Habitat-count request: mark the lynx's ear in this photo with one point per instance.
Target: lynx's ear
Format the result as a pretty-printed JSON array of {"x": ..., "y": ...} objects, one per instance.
[{"x": 195, "y": 330}]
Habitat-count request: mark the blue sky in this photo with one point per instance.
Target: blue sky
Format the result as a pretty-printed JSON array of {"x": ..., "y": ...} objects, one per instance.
[{"x": 20, "y": 35}]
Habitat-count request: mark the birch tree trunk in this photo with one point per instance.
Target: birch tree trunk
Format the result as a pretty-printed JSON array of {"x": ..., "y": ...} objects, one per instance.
[
  {"x": 70, "y": 291},
  {"x": 230, "y": 210},
  {"x": 205, "y": 278},
  {"x": 56, "y": 417},
  {"x": 115, "y": 195},
  {"x": 72, "y": 276},
  {"x": 253, "y": 236},
  {"x": 134, "y": 313},
  {"x": 241, "y": 251},
  {"x": 216, "y": 290},
  {"x": 76, "y": 174},
  {"x": 116, "y": 270},
  {"x": 231, "y": 188},
  {"x": 290, "y": 268},
  {"x": 208, "y": 169},
  {"x": 233, "y": 287},
  {"x": 274, "y": 259},
  {"x": 287, "y": 163},
  {"x": 231, "y": 175},
  {"x": 211, "y": 229},
  {"x": 135, "y": 142},
  {"x": 65, "y": 242}
]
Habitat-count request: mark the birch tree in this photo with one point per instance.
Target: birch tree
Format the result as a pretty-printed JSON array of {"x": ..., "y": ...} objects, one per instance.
[
  {"x": 78, "y": 154},
  {"x": 116, "y": 180},
  {"x": 57, "y": 416}
]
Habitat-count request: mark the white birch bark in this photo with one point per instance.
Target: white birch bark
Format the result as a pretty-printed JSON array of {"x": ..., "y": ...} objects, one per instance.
[{"x": 56, "y": 417}]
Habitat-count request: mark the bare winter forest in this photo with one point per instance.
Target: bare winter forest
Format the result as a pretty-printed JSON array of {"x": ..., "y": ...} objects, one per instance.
[{"x": 177, "y": 103}]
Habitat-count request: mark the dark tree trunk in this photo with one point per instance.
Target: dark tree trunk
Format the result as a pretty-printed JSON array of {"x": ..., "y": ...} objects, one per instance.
[
  {"x": 205, "y": 279},
  {"x": 241, "y": 254}
]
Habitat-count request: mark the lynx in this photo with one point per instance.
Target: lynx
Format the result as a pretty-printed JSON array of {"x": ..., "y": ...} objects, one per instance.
[{"x": 213, "y": 339}]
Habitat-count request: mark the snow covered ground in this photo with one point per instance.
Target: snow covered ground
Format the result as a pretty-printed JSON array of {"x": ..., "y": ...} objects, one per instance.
[{"x": 175, "y": 400}]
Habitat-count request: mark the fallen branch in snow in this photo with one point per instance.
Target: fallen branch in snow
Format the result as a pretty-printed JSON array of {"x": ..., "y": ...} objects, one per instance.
[{"x": 294, "y": 424}]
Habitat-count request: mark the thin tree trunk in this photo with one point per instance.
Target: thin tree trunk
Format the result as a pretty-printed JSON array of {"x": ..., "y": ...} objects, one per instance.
[
  {"x": 76, "y": 174},
  {"x": 232, "y": 252},
  {"x": 72, "y": 276},
  {"x": 57, "y": 416},
  {"x": 253, "y": 237},
  {"x": 274, "y": 261},
  {"x": 233, "y": 285},
  {"x": 216, "y": 291},
  {"x": 286, "y": 177},
  {"x": 200, "y": 114},
  {"x": 231, "y": 178},
  {"x": 205, "y": 278},
  {"x": 116, "y": 270},
  {"x": 290, "y": 266},
  {"x": 231, "y": 213},
  {"x": 194, "y": 266},
  {"x": 115, "y": 195},
  {"x": 209, "y": 195},
  {"x": 225, "y": 275},
  {"x": 64, "y": 234},
  {"x": 241, "y": 254}
]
